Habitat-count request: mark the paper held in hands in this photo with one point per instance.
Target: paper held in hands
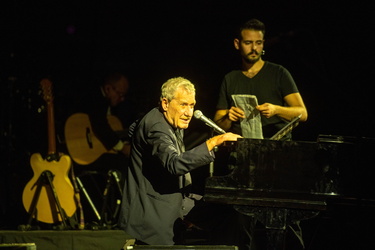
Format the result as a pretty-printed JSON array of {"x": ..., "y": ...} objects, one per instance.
[{"x": 251, "y": 125}]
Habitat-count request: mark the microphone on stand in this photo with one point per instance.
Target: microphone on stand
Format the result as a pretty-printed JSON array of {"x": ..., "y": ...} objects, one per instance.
[{"x": 199, "y": 115}]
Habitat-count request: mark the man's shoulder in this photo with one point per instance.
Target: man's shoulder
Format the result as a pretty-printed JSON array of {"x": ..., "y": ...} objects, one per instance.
[
  {"x": 152, "y": 122},
  {"x": 145, "y": 121},
  {"x": 153, "y": 117},
  {"x": 233, "y": 75},
  {"x": 273, "y": 66}
]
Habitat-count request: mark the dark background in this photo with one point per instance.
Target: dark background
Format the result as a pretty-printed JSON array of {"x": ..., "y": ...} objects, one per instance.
[{"x": 327, "y": 46}]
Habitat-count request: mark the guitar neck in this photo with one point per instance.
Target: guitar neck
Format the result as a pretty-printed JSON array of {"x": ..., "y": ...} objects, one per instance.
[
  {"x": 51, "y": 130},
  {"x": 47, "y": 91}
]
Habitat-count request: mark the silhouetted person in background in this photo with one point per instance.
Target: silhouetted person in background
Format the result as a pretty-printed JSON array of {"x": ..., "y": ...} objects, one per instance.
[{"x": 109, "y": 112}]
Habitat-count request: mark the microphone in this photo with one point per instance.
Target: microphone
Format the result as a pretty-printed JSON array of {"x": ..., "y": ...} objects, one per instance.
[{"x": 199, "y": 115}]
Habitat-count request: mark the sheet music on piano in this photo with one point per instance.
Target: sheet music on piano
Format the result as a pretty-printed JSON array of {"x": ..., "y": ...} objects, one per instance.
[{"x": 286, "y": 129}]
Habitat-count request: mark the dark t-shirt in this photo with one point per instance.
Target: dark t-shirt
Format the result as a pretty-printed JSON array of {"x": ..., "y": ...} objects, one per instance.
[{"x": 272, "y": 83}]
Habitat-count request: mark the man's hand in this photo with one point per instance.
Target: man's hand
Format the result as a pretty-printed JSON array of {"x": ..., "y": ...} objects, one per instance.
[
  {"x": 235, "y": 114},
  {"x": 267, "y": 109},
  {"x": 220, "y": 139}
]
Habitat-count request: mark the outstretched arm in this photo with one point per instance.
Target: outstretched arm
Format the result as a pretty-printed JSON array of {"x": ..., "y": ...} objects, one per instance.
[{"x": 295, "y": 107}]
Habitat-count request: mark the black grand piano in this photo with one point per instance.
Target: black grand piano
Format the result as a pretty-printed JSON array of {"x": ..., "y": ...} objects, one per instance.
[{"x": 281, "y": 183}]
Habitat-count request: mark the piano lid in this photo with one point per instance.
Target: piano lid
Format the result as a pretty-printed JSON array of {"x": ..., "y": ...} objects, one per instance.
[{"x": 297, "y": 171}]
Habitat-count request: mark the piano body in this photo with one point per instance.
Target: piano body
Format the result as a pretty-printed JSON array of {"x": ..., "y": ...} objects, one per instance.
[{"x": 283, "y": 182}]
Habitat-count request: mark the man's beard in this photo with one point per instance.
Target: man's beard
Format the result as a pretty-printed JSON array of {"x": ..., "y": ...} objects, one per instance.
[{"x": 251, "y": 60}]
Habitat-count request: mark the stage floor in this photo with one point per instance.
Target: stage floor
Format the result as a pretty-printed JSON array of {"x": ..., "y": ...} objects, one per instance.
[
  {"x": 342, "y": 229},
  {"x": 68, "y": 239}
]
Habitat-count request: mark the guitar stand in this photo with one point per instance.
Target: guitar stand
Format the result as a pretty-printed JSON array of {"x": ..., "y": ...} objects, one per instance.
[
  {"x": 83, "y": 189},
  {"x": 45, "y": 178},
  {"x": 112, "y": 178},
  {"x": 107, "y": 216}
]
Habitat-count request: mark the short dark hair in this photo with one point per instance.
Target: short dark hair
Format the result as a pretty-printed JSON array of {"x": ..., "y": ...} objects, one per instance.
[
  {"x": 112, "y": 78},
  {"x": 252, "y": 24}
]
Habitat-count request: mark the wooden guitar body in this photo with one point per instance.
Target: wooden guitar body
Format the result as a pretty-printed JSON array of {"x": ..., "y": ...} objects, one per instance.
[
  {"x": 46, "y": 206},
  {"x": 83, "y": 146}
]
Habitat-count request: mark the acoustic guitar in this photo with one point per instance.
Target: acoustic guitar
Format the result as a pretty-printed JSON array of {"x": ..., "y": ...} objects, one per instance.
[
  {"x": 58, "y": 165},
  {"x": 83, "y": 146}
]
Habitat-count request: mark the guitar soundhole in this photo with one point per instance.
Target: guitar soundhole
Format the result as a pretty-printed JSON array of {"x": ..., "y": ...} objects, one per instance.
[{"x": 88, "y": 137}]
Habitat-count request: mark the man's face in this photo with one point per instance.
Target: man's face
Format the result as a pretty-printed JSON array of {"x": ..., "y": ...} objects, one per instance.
[
  {"x": 179, "y": 110},
  {"x": 116, "y": 93},
  {"x": 251, "y": 45}
]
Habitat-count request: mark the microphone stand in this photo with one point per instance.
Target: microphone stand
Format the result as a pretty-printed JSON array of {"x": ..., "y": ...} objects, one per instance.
[
  {"x": 212, "y": 168},
  {"x": 212, "y": 165}
]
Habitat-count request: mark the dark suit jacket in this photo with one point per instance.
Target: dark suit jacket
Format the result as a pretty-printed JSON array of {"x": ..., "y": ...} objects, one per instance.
[{"x": 152, "y": 199}]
